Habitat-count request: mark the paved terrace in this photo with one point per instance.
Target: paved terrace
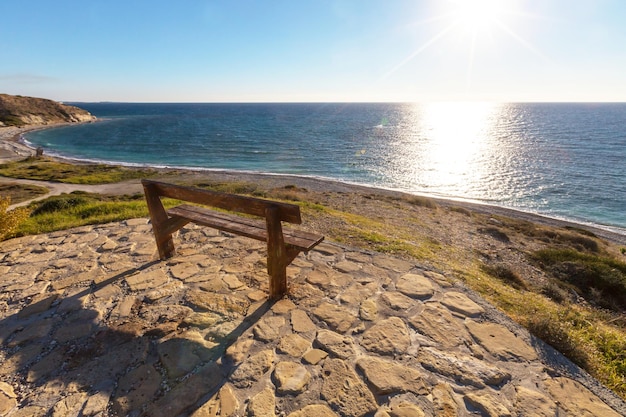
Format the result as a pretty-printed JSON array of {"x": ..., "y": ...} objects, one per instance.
[{"x": 92, "y": 325}]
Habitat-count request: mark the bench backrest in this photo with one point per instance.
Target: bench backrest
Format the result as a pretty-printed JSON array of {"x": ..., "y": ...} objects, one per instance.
[{"x": 250, "y": 205}]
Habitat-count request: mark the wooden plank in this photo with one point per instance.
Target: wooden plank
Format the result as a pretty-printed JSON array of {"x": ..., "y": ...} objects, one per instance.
[
  {"x": 254, "y": 229},
  {"x": 250, "y": 205},
  {"x": 303, "y": 240},
  {"x": 251, "y": 228}
]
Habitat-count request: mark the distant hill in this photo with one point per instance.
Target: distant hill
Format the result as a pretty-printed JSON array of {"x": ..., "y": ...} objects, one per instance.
[{"x": 19, "y": 111}]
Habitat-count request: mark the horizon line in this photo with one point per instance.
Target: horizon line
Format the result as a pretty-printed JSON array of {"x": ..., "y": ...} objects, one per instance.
[{"x": 354, "y": 102}]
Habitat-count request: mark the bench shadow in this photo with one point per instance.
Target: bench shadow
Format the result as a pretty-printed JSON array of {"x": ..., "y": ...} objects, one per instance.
[{"x": 60, "y": 354}]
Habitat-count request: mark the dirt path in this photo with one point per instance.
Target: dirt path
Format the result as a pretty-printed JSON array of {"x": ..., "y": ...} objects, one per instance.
[{"x": 58, "y": 188}]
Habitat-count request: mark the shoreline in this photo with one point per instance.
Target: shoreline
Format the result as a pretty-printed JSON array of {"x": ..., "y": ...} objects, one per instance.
[{"x": 11, "y": 149}]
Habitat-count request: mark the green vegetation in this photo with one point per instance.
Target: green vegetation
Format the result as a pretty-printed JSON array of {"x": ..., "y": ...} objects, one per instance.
[
  {"x": 46, "y": 169},
  {"x": 11, "y": 120},
  {"x": 599, "y": 279},
  {"x": 79, "y": 209}
]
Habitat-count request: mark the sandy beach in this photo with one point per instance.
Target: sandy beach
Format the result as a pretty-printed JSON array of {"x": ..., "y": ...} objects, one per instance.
[{"x": 10, "y": 148}]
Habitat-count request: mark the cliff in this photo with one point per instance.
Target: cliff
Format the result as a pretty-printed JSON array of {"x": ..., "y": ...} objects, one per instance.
[{"x": 19, "y": 110}]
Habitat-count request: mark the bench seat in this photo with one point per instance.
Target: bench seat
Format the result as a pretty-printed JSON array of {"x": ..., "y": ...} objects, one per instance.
[{"x": 252, "y": 228}]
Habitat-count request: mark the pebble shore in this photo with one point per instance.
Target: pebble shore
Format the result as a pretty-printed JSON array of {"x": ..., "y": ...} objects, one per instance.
[{"x": 93, "y": 324}]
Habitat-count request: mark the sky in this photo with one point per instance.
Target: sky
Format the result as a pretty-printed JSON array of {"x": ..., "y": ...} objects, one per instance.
[{"x": 314, "y": 50}]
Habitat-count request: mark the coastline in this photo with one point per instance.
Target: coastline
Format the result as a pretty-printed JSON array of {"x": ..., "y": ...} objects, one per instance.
[{"x": 11, "y": 149}]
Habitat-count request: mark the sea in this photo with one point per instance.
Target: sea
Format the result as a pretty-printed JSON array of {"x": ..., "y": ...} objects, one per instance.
[{"x": 560, "y": 160}]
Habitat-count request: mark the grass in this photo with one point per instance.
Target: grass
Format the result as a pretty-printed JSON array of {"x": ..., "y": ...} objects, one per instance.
[
  {"x": 423, "y": 202},
  {"x": 575, "y": 237},
  {"x": 495, "y": 233},
  {"x": 583, "y": 336},
  {"x": 46, "y": 169},
  {"x": 235, "y": 187},
  {"x": 79, "y": 209},
  {"x": 461, "y": 210},
  {"x": 21, "y": 192}
]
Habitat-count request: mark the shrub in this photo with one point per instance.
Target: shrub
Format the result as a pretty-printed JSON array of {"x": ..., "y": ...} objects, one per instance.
[
  {"x": 495, "y": 233},
  {"x": 600, "y": 280},
  {"x": 579, "y": 242},
  {"x": 581, "y": 231},
  {"x": 553, "y": 291},
  {"x": 420, "y": 201},
  {"x": 11, "y": 120},
  {"x": 55, "y": 204},
  {"x": 505, "y": 274},
  {"x": 461, "y": 210},
  {"x": 10, "y": 220}
]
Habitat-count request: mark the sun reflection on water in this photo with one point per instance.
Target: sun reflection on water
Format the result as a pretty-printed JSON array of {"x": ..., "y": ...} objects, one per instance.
[{"x": 448, "y": 147}]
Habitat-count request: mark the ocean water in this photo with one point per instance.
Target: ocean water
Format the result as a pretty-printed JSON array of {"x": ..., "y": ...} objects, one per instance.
[{"x": 561, "y": 160}]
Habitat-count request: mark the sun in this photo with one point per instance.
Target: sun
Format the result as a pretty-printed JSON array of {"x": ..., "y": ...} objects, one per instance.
[{"x": 478, "y": 15}]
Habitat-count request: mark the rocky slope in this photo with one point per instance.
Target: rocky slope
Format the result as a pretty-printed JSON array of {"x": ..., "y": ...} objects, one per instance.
[{"x": 19, "y": 111}]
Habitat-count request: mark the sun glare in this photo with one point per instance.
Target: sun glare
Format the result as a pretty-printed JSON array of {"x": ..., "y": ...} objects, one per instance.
[
  {"x": 478, "y": 15},
  {"x": 472, "y": 21}
]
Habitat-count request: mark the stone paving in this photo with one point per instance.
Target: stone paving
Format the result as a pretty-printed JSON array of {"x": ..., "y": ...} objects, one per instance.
[{"x": 92, "y": 325}]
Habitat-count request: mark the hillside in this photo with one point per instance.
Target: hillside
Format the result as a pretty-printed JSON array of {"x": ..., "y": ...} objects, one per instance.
[{"x": 19, "y": 110}]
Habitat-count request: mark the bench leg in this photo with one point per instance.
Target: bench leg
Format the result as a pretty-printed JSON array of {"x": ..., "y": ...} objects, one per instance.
[
  {"x": 165, "y": 244},
  {"x": 278, "y": 281},
  {"x": 159, "y": 219},
  {"x": 276, "y": 255}
]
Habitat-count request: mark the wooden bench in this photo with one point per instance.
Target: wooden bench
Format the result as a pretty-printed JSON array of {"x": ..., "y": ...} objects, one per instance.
[{"x": 282, "y": 245}]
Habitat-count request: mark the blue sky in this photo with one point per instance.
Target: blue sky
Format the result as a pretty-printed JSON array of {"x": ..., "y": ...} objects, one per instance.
[{"x": 314, "y": 50}]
